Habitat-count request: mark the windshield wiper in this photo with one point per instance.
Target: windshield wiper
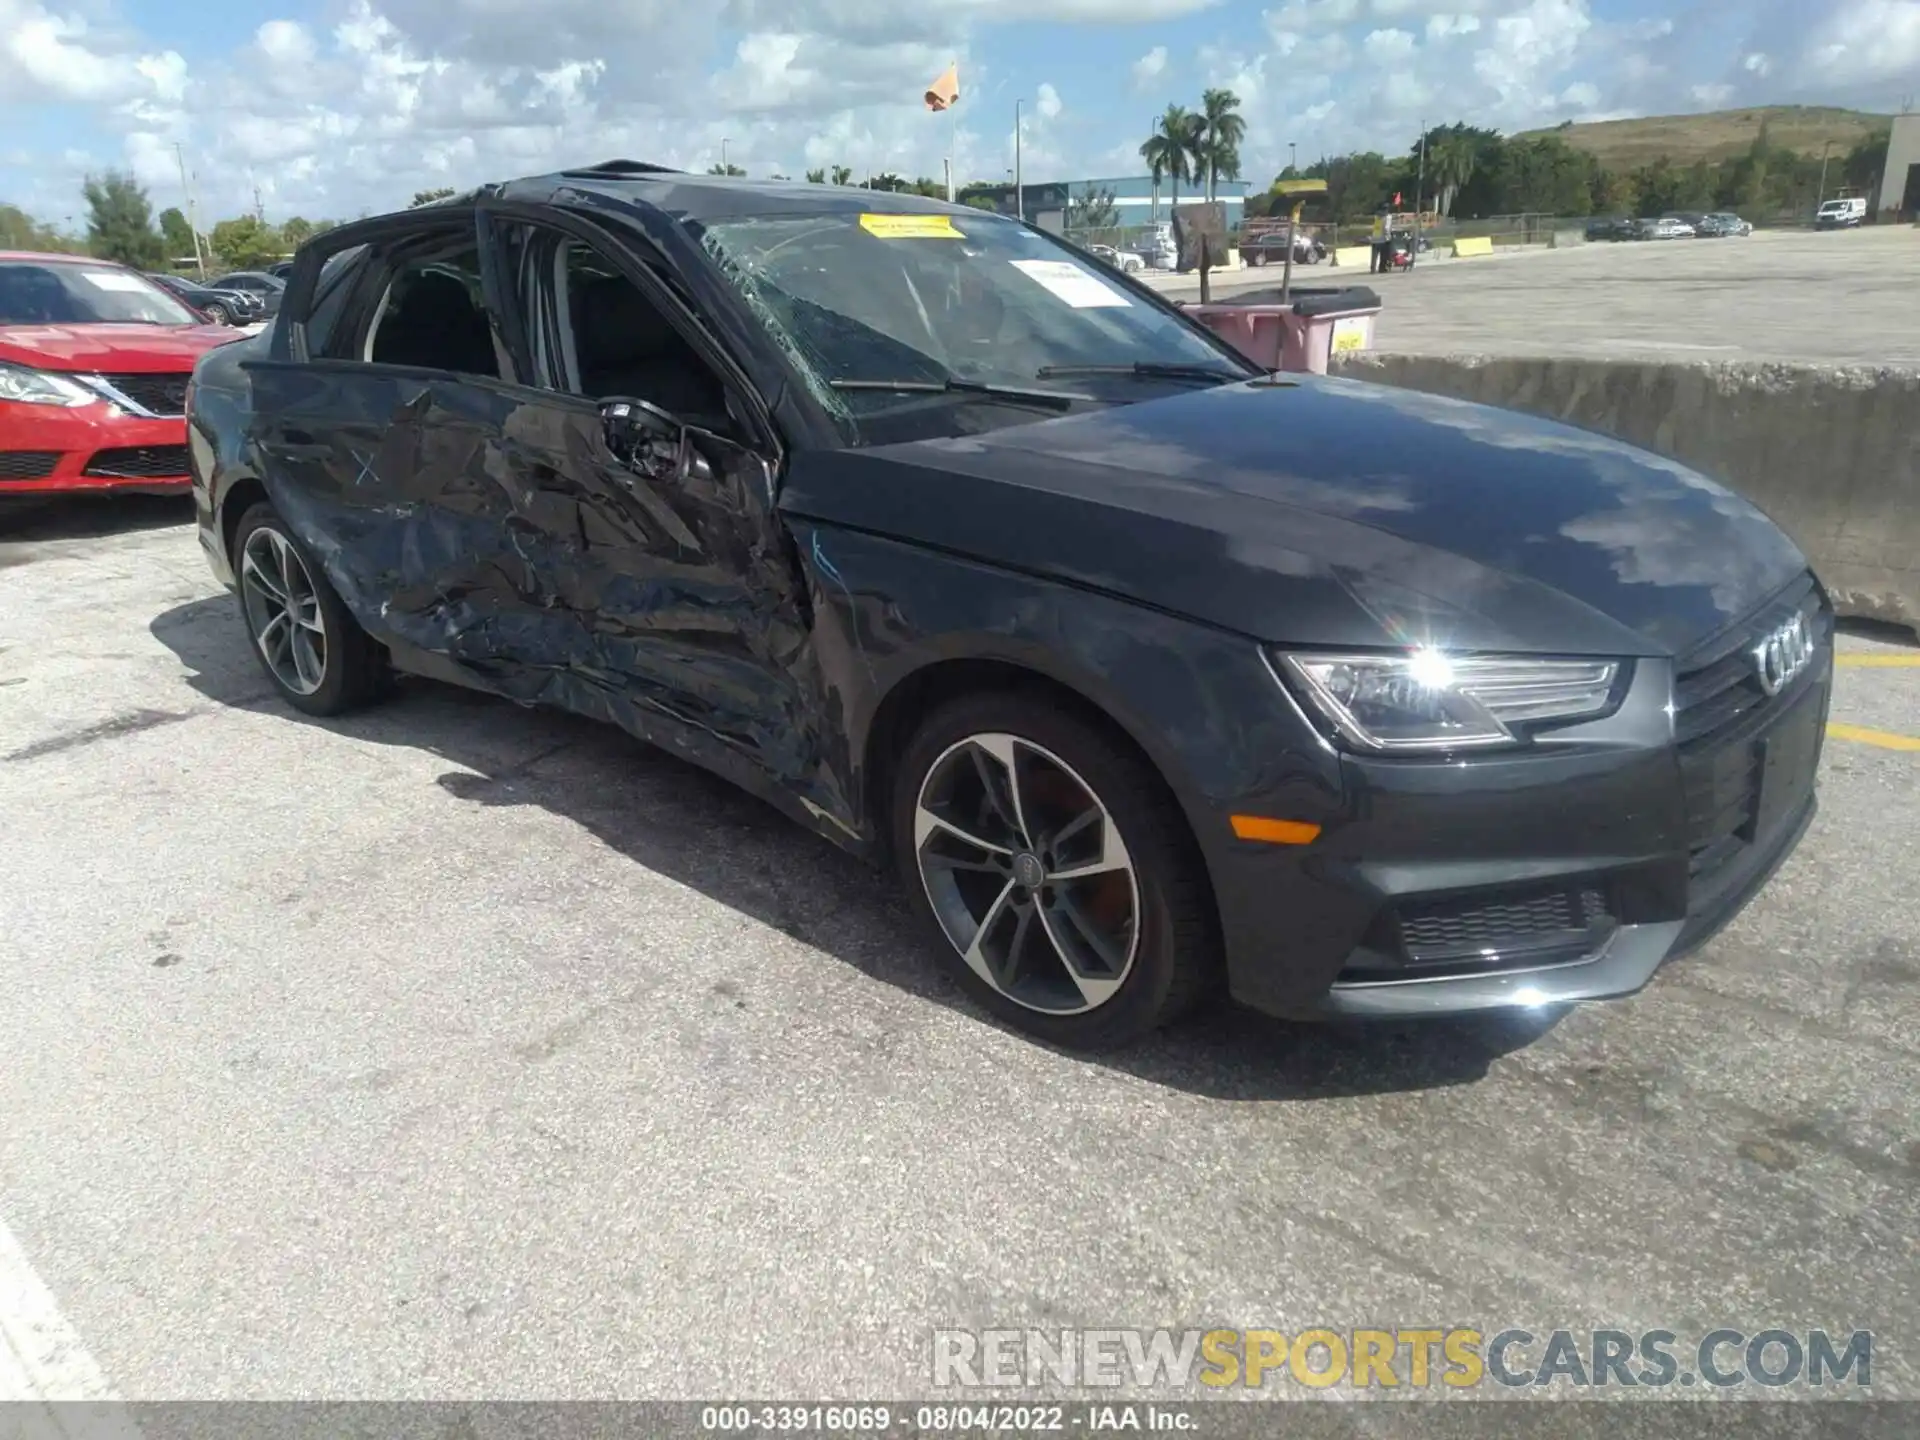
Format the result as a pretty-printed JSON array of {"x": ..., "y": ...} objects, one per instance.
[
  {"x": 1044, "y": 399},
  {"x": 1157, "y": 369}
]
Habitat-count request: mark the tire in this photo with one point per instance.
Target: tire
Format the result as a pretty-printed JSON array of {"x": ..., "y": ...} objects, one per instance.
[
  {"x": 219, "y": 314},
  {"x": 347, "y": 669},
  {"x": 1157, "y": 952}
]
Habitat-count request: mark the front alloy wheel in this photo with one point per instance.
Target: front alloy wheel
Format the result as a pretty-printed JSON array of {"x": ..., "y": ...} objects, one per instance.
[
  {"x": 1027, "y": 874},
  {"x": 1056, "y": 867}
]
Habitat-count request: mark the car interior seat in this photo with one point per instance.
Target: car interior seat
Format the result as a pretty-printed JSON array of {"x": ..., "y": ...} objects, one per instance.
[
  {"x": 626, "y": 347},
  {"x": 437, "y": 325}
]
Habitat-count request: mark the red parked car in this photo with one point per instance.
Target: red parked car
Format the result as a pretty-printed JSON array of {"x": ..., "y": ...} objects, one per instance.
[{"x": 94, "y": 361}]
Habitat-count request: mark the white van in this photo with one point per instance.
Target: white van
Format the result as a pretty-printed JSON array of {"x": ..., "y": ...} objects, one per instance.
[
  {"x": 1156, "y": 247},
  {"x": 1838, "y": 214}
]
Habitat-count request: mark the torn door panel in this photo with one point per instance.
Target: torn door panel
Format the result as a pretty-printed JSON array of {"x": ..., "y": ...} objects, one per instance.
[{"x": 488, "y": 532}]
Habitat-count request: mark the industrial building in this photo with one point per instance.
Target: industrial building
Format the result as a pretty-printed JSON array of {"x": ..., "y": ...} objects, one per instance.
[
  {"x": 1052, "y": 204},
  {"x": 1899, "y": 195}
]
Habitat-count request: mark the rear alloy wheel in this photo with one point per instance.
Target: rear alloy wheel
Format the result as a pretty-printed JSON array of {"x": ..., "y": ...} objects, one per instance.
[
  {"x": 313, "y": 650},
  {"x": 219, "y": 314},
  {"x": 1051, "y": 862}
]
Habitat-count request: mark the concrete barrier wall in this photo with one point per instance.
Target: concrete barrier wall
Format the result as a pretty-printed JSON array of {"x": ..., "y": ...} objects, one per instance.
[{"x": 1832, "y": 453}]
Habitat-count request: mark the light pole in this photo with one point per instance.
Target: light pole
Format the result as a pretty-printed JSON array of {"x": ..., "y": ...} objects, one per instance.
[
  {"x": 725, "y": 169},
  {"x": 1419, "y": 189},
  {"x": 1019, "y": 190},
  {"x": 1828, "y": 145},
  {"x": 1293, "y": 159}
]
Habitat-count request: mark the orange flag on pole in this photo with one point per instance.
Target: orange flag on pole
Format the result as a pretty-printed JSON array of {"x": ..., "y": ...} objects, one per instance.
[{"x": 946, "y": 90}]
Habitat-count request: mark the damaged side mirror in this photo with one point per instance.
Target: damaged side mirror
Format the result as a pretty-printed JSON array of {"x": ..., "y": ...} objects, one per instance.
[
  {"x": 642, "y": 437},
  {"x": 651, "y": 442}
]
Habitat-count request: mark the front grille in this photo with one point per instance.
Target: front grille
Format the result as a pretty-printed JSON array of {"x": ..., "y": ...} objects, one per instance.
[
  {"x": 164, "y": 394},
  {"x": 1721, "y": 716},
  {"x": 1493, "y": 924},
  {"x": 144, "y": 462},
  {"x": 1486, "y": 932},
  {"x": 27, "y": 464}
]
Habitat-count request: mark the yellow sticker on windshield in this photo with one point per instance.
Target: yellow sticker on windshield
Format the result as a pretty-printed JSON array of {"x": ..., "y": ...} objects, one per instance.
[{"x": 910, "y": 227}]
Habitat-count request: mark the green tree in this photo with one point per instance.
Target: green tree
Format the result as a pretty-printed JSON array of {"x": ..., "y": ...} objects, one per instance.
[
  {"x": 176, "y": 232},
  {"x": 20, "y": 231},
  {"x": 1656, "y": 187},
  {"x": 296, "y": 232},
  {"x": 1222, "y": 129},
  {"x": 1541, "y": 176},
  {"x": 1092, "y": 210},
  {"x": 427, "y": 197},
  {"x": 842, "y": 175},
  {"x": 120, "y": 221},
  {"x": 244, "y": 243},
  {"x": 725, "y": 170},
  {"x": 817, "y": 177},
  {"x": 1866, "y": 163}
]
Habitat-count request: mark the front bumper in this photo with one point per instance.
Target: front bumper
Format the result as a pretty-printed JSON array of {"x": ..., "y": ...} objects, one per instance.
[
  {"x": 47, "y": 449},
  {"x": 1532, "y": 880}
]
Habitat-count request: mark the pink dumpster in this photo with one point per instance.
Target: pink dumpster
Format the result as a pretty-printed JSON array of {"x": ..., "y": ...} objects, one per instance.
[{"x": 1301, "y": 334}]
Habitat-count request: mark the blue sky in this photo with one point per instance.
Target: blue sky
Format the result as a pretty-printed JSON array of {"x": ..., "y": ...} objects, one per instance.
[{"x": 333, "y": 108}]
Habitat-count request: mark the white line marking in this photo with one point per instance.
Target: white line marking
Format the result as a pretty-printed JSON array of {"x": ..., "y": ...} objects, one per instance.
[{"x": 43, "y": 1362}]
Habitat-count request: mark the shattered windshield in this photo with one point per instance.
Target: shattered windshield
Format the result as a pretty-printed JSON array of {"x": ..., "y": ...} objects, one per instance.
[{"x": 908, "y": 326}]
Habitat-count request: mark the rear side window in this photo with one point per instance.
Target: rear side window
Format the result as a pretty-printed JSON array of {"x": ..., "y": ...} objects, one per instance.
[{"x": 330, "y": 300}]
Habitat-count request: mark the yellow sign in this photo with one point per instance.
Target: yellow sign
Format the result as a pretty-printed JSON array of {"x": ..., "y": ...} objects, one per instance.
[
  {"x": 1349, "y": 334},
  {"x": 1473, "y": 245},
  {"x": 910, "y": 227}
]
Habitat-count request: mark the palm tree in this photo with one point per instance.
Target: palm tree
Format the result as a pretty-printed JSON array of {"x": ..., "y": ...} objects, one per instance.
[
  {"x": 1453, "y": 152},
  {"x": 1222, "y": 129},
  {"x": 1156, "y": 159},
  {"x": 843, "y": 174},
  {"x": 1172, "y": 150},
  {"x": 816, "y": 177}
]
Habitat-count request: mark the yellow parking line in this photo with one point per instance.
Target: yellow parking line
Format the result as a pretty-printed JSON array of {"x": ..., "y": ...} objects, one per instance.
[
  {"x": 1879, "y": 662},
  {"x": 1885, "y": 739}
]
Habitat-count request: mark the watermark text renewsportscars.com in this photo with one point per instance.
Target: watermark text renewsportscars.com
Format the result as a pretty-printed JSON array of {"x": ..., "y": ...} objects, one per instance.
[{"x": 1457, "y": 1357}]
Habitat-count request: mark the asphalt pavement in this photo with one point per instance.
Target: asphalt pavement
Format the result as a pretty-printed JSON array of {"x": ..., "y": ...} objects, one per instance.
[
  {"x": 1832, "y": 297},
  {"x": 457, "y": 1050}
]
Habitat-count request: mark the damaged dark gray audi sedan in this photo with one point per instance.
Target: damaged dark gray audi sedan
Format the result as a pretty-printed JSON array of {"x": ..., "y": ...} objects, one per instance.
[{"x": 1147, "y": 670}]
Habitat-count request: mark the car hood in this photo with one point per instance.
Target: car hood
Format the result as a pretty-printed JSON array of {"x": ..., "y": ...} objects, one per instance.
[
  {"x": 129, "y": 349},
  {"x": 1333, "y": 512}
]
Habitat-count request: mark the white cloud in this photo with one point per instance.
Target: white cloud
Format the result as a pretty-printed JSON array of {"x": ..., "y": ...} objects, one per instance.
[
  {"x": 1757, "y": 64},
  {"x": 1446, "y": 27},
  {"x": 1529, "y": 46},
  {"x": 285, "y": 42},
  {"x": 1581, "y": 96},
  {"x": 1298, "y": 17},
  {"x": 1386, "y": 47},
  {"x": 1711, "y": 95},
  {"x": 1149, "y": 67},
  {"x": 1047, "y": 102},
  {"x": 60, "y": 57},
  {"x": 1865, "y": 42}
]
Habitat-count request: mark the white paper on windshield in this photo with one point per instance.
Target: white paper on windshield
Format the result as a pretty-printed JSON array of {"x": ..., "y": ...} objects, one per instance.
[
  {"x": 1067, "y": 281},
  {"x": 114, "y": 280}
]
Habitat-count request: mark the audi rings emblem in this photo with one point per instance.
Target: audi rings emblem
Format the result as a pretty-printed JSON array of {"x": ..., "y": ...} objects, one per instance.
[{"x": 1783, "y": 655}]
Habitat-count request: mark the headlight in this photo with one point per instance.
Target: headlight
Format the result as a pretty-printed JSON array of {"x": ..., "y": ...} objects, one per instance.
[
  {"x": 1430, "y": 701},
  {"x": 39, "y": 387}
]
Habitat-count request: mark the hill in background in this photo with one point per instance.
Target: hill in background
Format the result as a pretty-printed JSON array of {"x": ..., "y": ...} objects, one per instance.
[{"x": 1623, "y": 145}]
